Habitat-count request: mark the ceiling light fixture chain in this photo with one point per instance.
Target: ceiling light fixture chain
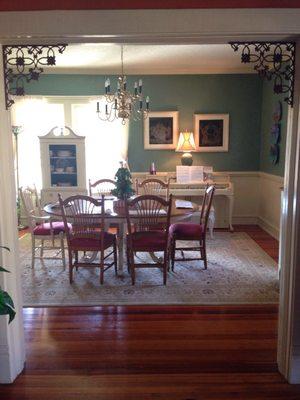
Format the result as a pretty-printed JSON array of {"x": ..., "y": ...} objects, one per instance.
[
  {"x": 123, "y": 104},
  {"x": 24, "y": 63},
  {"x": 122, "y": 60},
  {"x": 272, "y": 60}
]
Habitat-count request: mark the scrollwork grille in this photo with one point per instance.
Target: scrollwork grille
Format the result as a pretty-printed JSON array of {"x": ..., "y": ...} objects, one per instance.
[
  {"x": 272, "y": 60},
  {"x": 24, "y": 63}
]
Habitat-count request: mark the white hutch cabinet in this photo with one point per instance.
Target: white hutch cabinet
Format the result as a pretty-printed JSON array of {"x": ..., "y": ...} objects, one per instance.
[{"x": 63, "y": 164}]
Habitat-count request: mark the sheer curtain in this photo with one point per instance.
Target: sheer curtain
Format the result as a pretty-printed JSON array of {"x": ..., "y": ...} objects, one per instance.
[
  {"x": 36, "y": 117},
  {"x": 106, "y": 142}
]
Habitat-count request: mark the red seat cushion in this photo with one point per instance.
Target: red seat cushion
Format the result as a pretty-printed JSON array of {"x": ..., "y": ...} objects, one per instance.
[
  {"x": 44, "y": 229},
  {"x": 92, "y": 244},
  {"x": 149, "y": 241},
  {"x": 186, "y": 231}
]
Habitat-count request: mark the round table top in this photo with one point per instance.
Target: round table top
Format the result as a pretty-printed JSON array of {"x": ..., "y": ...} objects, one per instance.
[{"x": 112, "y": 213}]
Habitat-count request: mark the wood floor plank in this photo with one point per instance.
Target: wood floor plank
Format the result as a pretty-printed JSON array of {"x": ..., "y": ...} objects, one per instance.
[
  {"x": 151, "y": 352},
  {"x": 146, "y": 352}
]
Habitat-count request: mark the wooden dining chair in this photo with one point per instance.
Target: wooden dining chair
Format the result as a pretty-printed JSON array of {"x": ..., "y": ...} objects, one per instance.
[
  {"x": 87, "y": 216},
  {"x": 44, "y": 231},
  {"x": 148, "y": 221},
  {"x": 153, "y": 186},
  {"x": 192, "y": 232},
  {"x": 102, "y": 186}
]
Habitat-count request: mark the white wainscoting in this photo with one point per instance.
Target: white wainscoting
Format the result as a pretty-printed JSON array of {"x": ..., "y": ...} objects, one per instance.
[
  {"x": 257, "y": 200},
  {"x": 270, "y": 203},
  {"x": 246, "y": 197}
]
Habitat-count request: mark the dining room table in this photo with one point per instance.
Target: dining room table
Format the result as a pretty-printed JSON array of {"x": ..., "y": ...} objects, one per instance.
[{"x": 181, "y": 210}]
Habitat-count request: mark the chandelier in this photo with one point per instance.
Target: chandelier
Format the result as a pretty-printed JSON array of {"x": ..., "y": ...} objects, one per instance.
[{"x": 123, "y": 104}]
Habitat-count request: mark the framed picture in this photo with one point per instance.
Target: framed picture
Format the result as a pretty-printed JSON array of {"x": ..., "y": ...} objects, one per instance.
[
  {"x": 211, "y": 132},
  {"x": 161, "y": 130}
]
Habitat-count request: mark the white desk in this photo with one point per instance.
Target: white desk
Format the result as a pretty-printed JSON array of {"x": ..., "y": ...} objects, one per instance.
[
  {"x": 224, "y": 187},
  {"x": 197, "y": 189}
]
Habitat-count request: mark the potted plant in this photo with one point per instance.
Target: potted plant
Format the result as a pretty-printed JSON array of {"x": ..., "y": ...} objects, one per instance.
[
  {"x": 6, "y": 304},
  {"x": 123, "y": 189}
]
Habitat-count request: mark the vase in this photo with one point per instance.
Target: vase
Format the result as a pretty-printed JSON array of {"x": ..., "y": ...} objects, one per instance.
[{"x": 119, "y": 206}]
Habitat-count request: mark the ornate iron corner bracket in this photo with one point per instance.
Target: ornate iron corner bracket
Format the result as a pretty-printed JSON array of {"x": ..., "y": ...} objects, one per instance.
[
  {"x": 272, "y": 60},
  {"x": 24, "y": 63}
]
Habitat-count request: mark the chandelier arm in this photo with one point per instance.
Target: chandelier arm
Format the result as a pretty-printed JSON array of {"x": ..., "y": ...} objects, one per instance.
[
  {"x": 122, "y": 61},
  {"x": 123, "y": 104}
]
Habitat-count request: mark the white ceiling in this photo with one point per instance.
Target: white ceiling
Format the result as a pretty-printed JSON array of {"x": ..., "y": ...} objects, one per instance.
[{"x": 102, "y": 58}]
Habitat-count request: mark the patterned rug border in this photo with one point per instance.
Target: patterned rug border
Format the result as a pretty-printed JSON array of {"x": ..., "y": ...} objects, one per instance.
[{"x": 148, "y": 303}]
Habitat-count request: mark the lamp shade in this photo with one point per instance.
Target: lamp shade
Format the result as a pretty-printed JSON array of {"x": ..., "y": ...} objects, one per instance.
[{"x": 186, "y": 142}]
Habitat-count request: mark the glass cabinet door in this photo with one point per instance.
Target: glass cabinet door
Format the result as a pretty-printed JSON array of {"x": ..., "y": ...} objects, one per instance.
[{"x": 63, "y": 165}]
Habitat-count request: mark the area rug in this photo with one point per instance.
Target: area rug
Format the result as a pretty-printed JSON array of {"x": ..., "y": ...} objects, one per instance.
[{"x": 239, "y": 272}]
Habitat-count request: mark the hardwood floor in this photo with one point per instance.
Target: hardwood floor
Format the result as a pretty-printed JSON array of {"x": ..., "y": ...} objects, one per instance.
[
  {"x": 262, "y": 238},
  {"x": 145, "y": 352},
  {"x": 170, "y": 353}
]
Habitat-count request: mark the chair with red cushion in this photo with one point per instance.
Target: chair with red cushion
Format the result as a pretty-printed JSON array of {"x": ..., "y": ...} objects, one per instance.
[
  {"x": 87, "y": 216},
  {"x": 192, "y": 232},
  {"x": 42, "y": 228},
  {"x": 148, "y": 221}
]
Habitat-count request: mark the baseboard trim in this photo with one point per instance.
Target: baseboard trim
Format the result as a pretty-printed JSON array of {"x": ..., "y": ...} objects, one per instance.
[
  {"x": 4, "y": 365},
  {"x": 245, "y": 220},
  {"x": 294, "y": 377},
  {"x": 269, "y": 227}
]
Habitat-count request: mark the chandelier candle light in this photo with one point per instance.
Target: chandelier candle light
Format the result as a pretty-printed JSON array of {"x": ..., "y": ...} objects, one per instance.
[
  {"x": 124, "y": 104},
  {"x": 186, "y": 144}
]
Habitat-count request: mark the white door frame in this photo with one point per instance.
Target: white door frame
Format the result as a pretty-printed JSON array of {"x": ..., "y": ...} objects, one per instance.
[
  {"x": 150, "y": 26},
  {"x": 288, "y": 362}
]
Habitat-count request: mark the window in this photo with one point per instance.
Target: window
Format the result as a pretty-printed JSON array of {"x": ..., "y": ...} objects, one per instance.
[
  {"x": 36, "y": 117},
  {"x": 106, "y": 143}
]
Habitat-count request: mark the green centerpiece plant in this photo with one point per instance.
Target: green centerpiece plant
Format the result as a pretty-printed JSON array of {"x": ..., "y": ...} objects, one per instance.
[
  {"x": 6, "y": 303},
  {"x": 123, "y": 189}
]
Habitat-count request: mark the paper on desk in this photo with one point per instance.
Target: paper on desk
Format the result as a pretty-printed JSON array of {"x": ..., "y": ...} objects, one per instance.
[{"x": 183, "y": 204}]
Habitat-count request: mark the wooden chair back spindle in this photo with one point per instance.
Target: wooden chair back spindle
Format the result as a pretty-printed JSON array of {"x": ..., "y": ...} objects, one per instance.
[
  {"x": 30, "y": 202},
  {"x": 86, "y": 215},
  {"x": 102, "y": 186},
  {"x": 148, "y": 221},
  {"x": 148, "y": 213},
  {"x": 206, "y": 206},
  {"x": 153, "y": 186}
]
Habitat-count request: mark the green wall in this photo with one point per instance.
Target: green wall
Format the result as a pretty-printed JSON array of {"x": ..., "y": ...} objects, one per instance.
[
  {"x": 269, "y": 102},
  {"x": 238, "y": 95}
]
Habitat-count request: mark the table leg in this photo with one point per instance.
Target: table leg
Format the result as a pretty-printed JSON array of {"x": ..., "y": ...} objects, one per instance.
[
  {"x": 121, "y": 245},
  {"x": 211, "y": 223},
  {"x": 155, "y": 258},
  {"x": 89, "y": 257},
  {"x": 231, "y": 202}
]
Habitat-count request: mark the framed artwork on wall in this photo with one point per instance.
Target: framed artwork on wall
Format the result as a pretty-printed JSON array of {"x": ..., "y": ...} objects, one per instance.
[
  {"x": 161, "y": 130},
  {"x": 211, "y": 132}
]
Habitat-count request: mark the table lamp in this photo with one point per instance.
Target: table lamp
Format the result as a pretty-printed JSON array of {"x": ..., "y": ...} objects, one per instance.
[{"x": 186, "y": 144}]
